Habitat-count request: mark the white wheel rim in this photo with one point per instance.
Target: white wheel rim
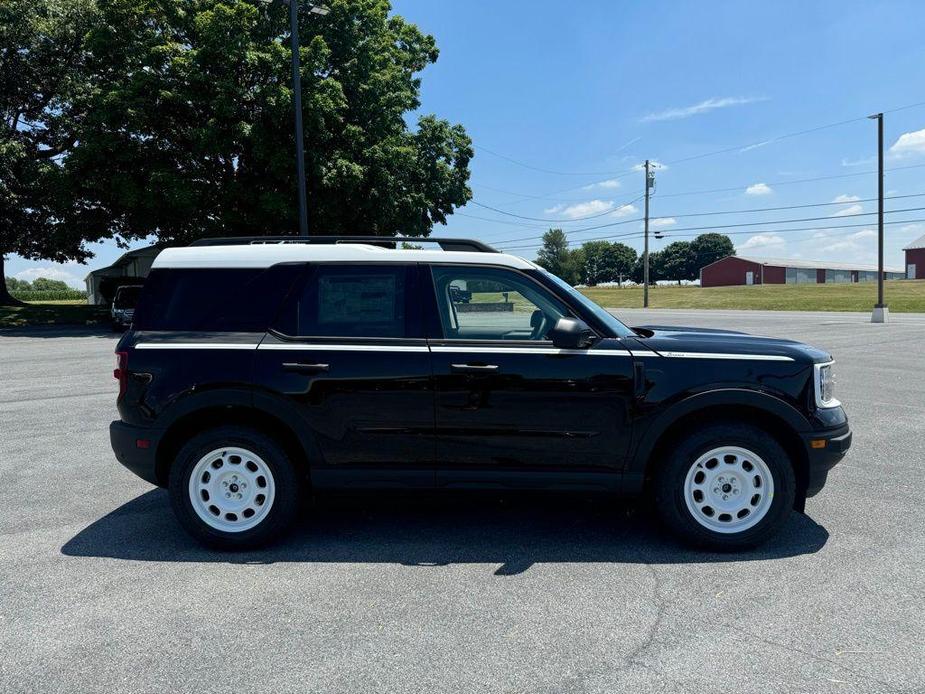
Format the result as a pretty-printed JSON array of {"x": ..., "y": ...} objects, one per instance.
[
  {"x": 231, "y": 489},
  {"x": 729, "y": 489}
]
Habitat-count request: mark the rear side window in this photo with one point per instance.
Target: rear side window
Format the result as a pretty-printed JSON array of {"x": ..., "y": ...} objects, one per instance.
[
  {"x": 213, "y": 299},
  {"x": 353, "y": 301}
]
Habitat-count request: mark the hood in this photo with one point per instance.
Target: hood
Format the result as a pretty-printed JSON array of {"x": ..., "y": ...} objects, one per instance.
[{"x": 663, "y": 338}]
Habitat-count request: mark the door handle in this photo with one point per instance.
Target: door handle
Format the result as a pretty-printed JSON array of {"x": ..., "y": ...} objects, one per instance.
[
  {"x": 474, "y": 368},
  {"x": 299, "y": 368}
]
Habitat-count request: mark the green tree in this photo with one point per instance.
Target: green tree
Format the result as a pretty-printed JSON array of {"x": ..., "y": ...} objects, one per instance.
[
  {"x": 173, "y": 119},
  {"x": 16, "y": 285},
  {"x": 45, "y": 284},
  {"x": 708, "y": 248},
  {"x": 606, "y": 262},
  {"x": 676, "y": 262},
  {"x": 43, "y": 97},
  {"x": 192, "y": 136},
  {"x": 556, "y": 257}
]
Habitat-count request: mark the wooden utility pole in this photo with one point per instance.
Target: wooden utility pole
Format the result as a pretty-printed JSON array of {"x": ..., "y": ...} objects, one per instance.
[{"x": 645, "y": 248}]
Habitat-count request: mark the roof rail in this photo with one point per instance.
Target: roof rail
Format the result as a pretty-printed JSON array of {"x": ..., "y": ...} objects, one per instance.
[{"x": 445, "y": 244}]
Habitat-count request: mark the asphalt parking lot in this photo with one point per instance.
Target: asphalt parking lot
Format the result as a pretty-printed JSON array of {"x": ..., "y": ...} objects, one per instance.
[{"x": 101, "y": 591}]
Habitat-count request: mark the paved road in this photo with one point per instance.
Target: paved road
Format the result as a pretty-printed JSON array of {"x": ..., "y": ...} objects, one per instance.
[{"x": 101, "y": 591}]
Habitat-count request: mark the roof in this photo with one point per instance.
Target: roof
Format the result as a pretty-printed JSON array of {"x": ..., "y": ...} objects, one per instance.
[
  {"x": 265, "y": 255},
  {"x": 812, "y": 264},
  {"x": 918, "y": 243},
  {"x": 124, "y": 260}
]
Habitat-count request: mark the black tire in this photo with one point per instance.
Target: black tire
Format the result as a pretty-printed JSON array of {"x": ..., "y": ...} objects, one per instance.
[
  {"x": 669, "y": 492},
  {"x": 287, "y": 488}
]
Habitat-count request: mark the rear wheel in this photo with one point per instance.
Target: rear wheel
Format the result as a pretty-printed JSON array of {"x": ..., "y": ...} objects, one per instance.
[
  {"x": 234, "y": 488},
  {"x": 727, "y": 486}
]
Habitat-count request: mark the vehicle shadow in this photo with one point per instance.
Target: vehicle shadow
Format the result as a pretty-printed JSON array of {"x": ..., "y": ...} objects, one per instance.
[{"x": 513, "y": 530}]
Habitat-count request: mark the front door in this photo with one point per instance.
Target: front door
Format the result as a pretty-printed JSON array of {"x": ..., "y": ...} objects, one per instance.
[
  {"x": 749, "y": 277},
  {"x": 512, "y": 409},
  {"x": 348, "y": 351},
  {"x": 910, "y": 271}
]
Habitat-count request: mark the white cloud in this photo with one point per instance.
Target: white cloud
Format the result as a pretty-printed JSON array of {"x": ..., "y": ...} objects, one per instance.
[
  {"x": 555, "y": 209},
  {"x": 702, "y": 107},
  {"x": 867, "y": 161},
  {"x": 608, "y": 184},
  {"x": 864, "y": 234},
  {"x": 583, "y": 209},
  {"x": 762, "y": 241},
  {"x": 663, "y": 222},
  {"x": 909, "y": 144},
  {"x": 759, "y": 189},
  {"x": 846, "y": 198},
  {"x": 51, "y": 273},
  {"x": 851, "y": 209},
  {"x": 655, "y": 165},
  {"x": 840, "y": 246},
  {"x": 624, "y": 211}
]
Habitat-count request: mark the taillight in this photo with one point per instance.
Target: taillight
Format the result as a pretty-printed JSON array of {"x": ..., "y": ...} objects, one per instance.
[{"x": 121, "y": 371}]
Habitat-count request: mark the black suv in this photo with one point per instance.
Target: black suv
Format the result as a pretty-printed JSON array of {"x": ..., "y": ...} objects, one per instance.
[{"x": 256, "y": 370}]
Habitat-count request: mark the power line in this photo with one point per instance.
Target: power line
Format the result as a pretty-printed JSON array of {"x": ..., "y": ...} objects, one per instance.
[
  {"x": 638, "y": 234},
  {"x": 609, "y": 210},
  {"x": 786, "y": 183},
  {"x": 788, "y": 207},
  {"x": 553, "y": 171},
  {"x": 731, "y": 226}
]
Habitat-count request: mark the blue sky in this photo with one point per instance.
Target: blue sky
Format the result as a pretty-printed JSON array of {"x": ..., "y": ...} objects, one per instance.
[{"x": 577, "y": 94}]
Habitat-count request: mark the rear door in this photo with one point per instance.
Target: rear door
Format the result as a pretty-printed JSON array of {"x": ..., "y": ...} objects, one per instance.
[
  {"x": 511, "y": 408},
  {"x": 348, "y": 351}
]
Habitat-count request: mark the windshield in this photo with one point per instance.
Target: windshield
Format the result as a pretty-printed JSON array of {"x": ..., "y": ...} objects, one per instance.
[
  {"x": 127, "y": 297},
  {"x": 599, "y": 312}
]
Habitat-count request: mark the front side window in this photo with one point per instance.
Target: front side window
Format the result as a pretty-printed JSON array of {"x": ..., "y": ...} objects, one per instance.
[
  {"x": 363, "y": 301},
  {"x": 478, "y": 303}
]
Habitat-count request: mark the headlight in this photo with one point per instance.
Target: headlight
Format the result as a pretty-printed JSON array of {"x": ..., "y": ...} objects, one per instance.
[{"x": 825, "y": 385}]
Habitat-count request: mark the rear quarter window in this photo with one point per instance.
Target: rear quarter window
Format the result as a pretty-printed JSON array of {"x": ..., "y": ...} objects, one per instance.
[{"x": 213, "y": 299}]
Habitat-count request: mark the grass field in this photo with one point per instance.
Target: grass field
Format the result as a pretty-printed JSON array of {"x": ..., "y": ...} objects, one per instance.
[
  {"x": 53, "y": 313},
  {"x": 902, "y": 296}
]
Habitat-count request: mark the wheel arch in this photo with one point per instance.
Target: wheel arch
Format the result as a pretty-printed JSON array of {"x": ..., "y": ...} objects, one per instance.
[
  {"x": 779, "y": 419},
  {"x": 246, "y": 415}
]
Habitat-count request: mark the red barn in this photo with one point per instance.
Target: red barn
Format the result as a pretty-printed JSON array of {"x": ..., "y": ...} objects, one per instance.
[
  {"x": 915, "y": 259},
  {"x": 738, "y": 270}
]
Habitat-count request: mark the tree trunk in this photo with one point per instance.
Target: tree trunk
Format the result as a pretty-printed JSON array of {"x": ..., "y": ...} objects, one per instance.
[{"x": 5, "y": 298}]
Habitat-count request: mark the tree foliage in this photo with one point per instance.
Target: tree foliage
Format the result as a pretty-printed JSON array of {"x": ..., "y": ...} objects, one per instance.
[
  {"x": 173, "y": 119},
  {"x": 195, "y": 138},
  {"x": 708, "y": 248},
  {"x": 43, "y": 97},
  {"x": 558, "y": 258}
]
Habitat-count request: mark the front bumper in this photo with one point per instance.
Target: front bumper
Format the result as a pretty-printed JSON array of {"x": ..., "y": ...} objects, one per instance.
[
  {"x": 824, "y": 450},
  {"x": 128, "y": 444}
]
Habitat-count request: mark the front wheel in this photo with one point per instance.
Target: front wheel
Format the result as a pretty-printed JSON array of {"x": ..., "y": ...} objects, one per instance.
[
  {"x": 234, "y": 488},
  {"x": 726, "y": 486}
]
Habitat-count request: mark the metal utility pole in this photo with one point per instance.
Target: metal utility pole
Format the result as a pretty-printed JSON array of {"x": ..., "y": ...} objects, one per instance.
[
  {"x": 881, "y": 311},
  {"x": 297, "y": 105},
  {"x": 650, "y": 179}
]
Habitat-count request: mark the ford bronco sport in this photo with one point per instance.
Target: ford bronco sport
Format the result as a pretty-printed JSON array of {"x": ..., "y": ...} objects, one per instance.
[{"x": 258, "y": 369}]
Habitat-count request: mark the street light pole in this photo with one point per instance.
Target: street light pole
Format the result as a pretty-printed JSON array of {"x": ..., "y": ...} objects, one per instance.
[
  {"x": 881, "y": 311},
  {"x": 297, "y": 106}
]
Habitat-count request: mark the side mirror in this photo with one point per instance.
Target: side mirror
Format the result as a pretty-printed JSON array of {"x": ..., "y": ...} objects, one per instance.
[{"x": 571, "y": 333}]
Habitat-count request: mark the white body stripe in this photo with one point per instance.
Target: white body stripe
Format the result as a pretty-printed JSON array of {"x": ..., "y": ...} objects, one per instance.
[
  {"x": 528, "y": 350},
  {"x": 461, "y": 349},
  {"x": 195, "y": 345},
  {"x": 298, "y": 347}
]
